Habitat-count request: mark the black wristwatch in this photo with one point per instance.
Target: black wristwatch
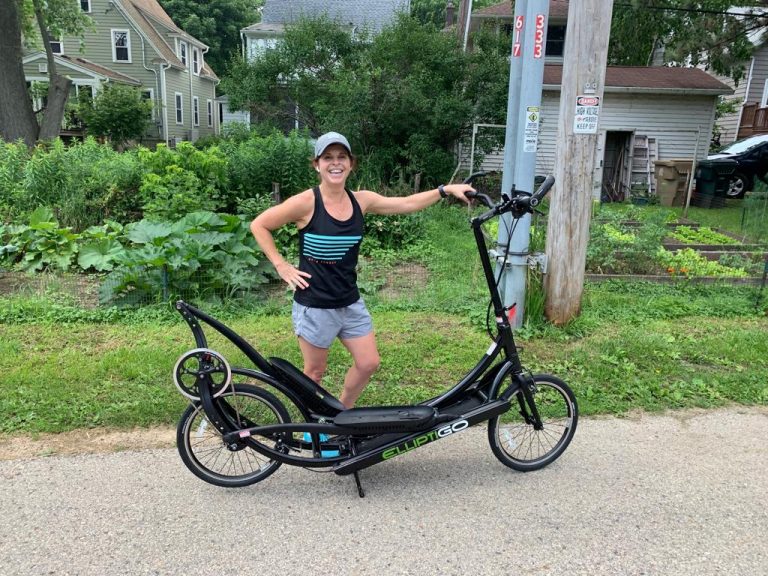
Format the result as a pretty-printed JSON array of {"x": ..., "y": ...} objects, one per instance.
[{"x": 443, "y": 193}]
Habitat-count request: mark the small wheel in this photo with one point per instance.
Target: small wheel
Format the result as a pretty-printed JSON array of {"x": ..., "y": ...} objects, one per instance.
[
  {"x": 517, "y": 444},
  {"x": 738, "y": 186},
  {"x": 202, "y": 448},
  {"x": 194, "y": 365}
]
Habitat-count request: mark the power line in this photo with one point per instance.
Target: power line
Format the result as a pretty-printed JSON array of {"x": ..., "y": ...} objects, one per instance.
[{"x": 696, "y": 10}]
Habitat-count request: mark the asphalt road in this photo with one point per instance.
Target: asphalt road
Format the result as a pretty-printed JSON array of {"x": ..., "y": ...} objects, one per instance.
[{"x": 683, "y": 494}]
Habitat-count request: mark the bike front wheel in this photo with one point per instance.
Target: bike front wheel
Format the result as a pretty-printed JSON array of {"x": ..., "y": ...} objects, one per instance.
[
  {"x": 521, "y": 445},
  {"x": 202, "y": 448}
]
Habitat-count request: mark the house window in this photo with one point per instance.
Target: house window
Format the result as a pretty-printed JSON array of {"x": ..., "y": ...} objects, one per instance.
[
  {"x": 555, "y": 41},
  {"x": 196, "y": 110},
  {"x": 149, "y": 95},
  {"x": 210, "y": 113},
  {"x": 121, "y": 46},
  {"x": 179, "y": 108},
  {"x": 196, "y": 61},
  {"x": 85, "y": 5},
  {"x": 183, "y": 52},
  {"x": 84, "y": 89},
  {"x": 57, "y": 46}
]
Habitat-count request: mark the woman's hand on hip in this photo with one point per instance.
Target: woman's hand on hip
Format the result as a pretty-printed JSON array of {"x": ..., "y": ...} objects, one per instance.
[{"x": 294, "y": 277}]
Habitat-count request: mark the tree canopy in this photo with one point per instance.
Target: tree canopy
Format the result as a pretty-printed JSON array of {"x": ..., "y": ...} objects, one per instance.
[
  {"x": 433, "y": 11},
  {"x": 403, "y": 98},
  {"x": 217, "y": 23},
  {"x": 712, "y": 33},
  {"x": 34, "y": 21}
]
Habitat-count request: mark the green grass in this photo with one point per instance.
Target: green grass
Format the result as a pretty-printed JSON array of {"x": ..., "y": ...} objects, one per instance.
[{"x": 635, "y": 346}]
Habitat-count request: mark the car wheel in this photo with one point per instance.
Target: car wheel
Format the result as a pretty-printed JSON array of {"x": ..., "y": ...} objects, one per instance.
[{"x": 738, "y": 186}]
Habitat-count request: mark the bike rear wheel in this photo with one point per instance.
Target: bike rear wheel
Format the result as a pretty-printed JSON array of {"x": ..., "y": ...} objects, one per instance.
[
  {"x": 202, "y": 448},
  {"x": 514, "y": 439}
]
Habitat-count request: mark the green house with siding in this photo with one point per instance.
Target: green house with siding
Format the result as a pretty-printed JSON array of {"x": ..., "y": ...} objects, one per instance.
[{"x": 134, "y": 42}]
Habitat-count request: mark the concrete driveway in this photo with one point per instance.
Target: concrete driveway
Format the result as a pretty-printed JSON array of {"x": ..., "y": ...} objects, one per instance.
[{"x": 681, "y": 494}]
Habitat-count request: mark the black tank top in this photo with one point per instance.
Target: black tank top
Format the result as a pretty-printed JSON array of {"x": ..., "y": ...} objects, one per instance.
[{"x": 328, "y": 250}]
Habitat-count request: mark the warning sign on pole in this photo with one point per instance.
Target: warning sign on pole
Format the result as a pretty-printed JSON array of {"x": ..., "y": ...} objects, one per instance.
[
  {"x": 531, "y": 134},
  {"x": 587, "y": 114}
]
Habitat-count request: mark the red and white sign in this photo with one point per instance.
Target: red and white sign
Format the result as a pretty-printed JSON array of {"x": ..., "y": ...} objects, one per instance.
[
  {"x": 587, "y": 101},
  {"x": 587, "y": 115}
]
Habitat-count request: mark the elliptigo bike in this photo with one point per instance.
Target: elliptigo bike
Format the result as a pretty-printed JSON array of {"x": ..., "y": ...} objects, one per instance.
[{"x": 239, "y": 433}]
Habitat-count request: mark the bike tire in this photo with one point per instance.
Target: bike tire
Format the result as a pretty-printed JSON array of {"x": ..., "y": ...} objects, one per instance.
[
  {"x": 517, "y": 444},
  {"x": 202, "y": 447}
]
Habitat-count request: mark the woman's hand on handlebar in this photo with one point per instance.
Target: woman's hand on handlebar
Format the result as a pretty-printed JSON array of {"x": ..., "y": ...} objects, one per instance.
[{"x": 459, "y": 191}]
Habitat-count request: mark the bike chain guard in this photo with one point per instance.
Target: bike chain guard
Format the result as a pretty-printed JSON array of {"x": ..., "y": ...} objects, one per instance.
[{"x": 195, "y": 366}]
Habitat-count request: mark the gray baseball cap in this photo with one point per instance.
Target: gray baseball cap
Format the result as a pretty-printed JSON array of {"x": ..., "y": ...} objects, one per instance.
[{"x": 330, "y": 138}]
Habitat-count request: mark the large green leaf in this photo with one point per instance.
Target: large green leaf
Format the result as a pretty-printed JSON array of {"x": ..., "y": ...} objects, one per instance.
[
  {"x": 211, "y": 238},
  {"x": 99, "y": 255},
  {"x": 145, "y": 232},
  {"x": 198, "y": 220},
  {"x": 42, "y": 219}
]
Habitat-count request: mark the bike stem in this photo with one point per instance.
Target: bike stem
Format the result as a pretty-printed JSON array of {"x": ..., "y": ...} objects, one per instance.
[{"x": 502, "y": 322}]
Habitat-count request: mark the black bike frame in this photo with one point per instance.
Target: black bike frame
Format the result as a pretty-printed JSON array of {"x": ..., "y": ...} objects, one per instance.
[{"x": 474, "y": 399}]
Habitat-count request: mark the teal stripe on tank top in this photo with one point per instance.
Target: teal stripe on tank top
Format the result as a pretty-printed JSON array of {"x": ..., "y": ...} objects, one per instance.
[
  {"x": 328, "y": 247},
  {"x": 332, "y": 239}
]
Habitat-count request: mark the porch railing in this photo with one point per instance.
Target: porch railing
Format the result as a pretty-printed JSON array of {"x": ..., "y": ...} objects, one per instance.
[{"x": 754, "y": 120}]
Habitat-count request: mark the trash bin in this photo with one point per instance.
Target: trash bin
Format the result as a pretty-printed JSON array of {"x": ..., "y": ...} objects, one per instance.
[
  {"x": 671, "y": 179},
  {"x": 712, "y": 180},
  {"x": 666, "y": 181}
]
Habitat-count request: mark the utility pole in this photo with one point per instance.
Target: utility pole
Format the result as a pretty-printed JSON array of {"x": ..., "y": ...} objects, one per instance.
[
  {"x": 581, "y": 99},
  {"x": 521, "y": 141}
]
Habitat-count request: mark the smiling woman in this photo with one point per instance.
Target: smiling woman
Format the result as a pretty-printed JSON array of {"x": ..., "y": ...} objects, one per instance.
[{"x": 330, "y": 218}]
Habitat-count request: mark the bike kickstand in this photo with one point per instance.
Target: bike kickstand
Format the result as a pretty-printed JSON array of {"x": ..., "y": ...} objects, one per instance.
[{"x": 360, "y": 490}]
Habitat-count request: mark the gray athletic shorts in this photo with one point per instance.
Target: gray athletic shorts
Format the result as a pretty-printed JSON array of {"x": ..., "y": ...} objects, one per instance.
[{"x": 319, "y": 326}]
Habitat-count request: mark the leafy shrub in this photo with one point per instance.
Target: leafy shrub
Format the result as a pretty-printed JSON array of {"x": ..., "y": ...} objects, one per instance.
[
  {"x": 13, "y": 158},
  {"x": 100, "y": 184},
  {"x": 257, "y": 162},
  {"x": 392, "y": 232},
  {"x": 41, "y": 244},
  {"x": 182, "y": 180},
  {"x": 200, "y": 255},
  {"x": 117, "y": 112},
  {"x": 83, "y": 183}
]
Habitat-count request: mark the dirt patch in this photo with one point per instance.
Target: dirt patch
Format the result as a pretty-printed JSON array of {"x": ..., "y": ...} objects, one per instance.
[
  {"x": 88, "y": 441},
  {"x": 404, "y": 279}
]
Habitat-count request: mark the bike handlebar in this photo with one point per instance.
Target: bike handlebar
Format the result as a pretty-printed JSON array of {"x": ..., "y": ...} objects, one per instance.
[{"x": 519, "y": 204}]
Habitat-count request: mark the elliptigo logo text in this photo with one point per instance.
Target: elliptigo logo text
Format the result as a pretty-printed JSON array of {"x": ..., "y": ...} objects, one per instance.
[{"x": 424, "y": 439}]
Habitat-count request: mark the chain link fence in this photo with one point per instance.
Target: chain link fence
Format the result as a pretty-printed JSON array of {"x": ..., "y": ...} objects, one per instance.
[{"x": 156, "y": 285}]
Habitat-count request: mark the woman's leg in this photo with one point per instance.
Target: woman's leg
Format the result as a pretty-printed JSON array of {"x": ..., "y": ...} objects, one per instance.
[
  {"x": 365, "y": 361},
  {"x": 315, "y": 360}
]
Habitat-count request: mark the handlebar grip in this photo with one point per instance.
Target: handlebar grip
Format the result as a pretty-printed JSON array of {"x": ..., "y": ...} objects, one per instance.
[
  {"x": 469, "y": 179},
  {"x": 542, "y": 191},
  {"x": 483, "y": 198}
]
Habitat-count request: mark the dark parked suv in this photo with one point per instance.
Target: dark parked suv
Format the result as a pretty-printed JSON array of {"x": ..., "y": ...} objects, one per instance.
[{"x": 751, "y": 157}]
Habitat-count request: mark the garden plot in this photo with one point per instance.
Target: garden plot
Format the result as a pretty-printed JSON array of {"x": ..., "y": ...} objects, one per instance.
[{"x": 658, "y": 250}]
